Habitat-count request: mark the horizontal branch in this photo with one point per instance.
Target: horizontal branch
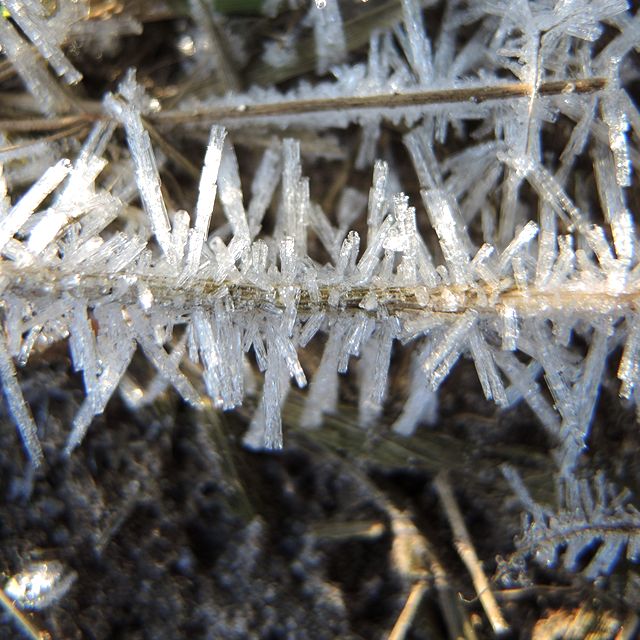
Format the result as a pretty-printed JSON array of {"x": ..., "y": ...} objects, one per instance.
[
  {"x": 238, "y": 114},
  {"x": 453, "y": 95},
  {"x": 409, "y": 302}
]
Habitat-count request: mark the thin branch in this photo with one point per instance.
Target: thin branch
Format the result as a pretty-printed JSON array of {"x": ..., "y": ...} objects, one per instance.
[
  {"x": 449, "y": 300},
  {"x": 449, "y": 95},
  {"x": 415, "y": 559},
  {"x": 403, "y": 624},
  {"x": 466, "y": 551},
  {"x": 171, "y": 152},
  {"x": 21, "y": 619},
  {"x": 32, "y": 125},
  {"x": 236, "y": 114},
  {"x": 58, "y": 135}
]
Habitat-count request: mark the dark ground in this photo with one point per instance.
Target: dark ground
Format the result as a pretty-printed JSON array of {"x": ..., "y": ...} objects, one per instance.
[{"x": 175, "y": 531}]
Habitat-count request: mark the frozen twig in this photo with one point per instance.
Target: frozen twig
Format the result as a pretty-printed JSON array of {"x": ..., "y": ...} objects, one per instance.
[{"x": 237, "y": 115}]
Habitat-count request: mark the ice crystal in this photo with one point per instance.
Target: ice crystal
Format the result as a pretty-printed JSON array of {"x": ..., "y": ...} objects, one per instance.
[{"x": 604, "y": 522}]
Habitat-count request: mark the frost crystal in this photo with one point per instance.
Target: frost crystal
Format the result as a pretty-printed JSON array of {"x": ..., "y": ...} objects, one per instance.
[{"x": 585, "y": 519}]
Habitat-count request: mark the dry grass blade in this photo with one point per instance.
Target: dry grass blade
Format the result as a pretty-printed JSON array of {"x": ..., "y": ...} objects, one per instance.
[
  {"x": 22, "y": 621},
  {"x": 466, "y": 551}
]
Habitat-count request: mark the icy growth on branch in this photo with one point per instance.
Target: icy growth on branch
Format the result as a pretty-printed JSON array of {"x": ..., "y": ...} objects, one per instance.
[
  {"x": 502, "y": 261},
  {"x": 47, "y": 29},
  {"x": 147, "y": 176},
  {"x": 272, "y": 298},
  {"x": 584, "y": 518}
]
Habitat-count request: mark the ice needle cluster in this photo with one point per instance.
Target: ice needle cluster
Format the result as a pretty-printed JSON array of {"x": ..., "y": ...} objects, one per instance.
[
  {"x": 512, "y": 250},
  {"x": 603, "y": 521}
]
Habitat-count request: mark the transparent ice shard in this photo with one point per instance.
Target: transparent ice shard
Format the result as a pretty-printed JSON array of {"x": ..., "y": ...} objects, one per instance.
[
  {"x": 374, "y": 368},
  {"x": 115, "y": 347},
  {"x": 126, "y": 254},
  {"x": 378, "y": 198},
  {"x": 482, "y": 265},
  {"x": 63, "y": 212},
  {"x": 565, "y": 263},
  {"x": 13, "y": 221},
  {"x": 280, "y": 342},
  {"x": 418, "y": 50},
  {"x": 209, "y": 354},
  {"x": 522, "y": 238},
  {"x": 420, "y": 407},
  {"x": 368, "y": 145},
  {"x": 147, "y": 175},
  {"x": 264, "y": 184},
  {"x": 577, "y": 140},
  {"x": 164, "y": 363},
  {"x": 509, "y": 328},
  {"x": 207, "y": 189},
  {"x": 349, "y": 209},
  {"x": 420, "y": 146},
  {"x": 220, "y": 352},
  {"x": 323, "y": 391},
  {"x": 358, "y": 331},
  {"x": 295, "y": 196},
  {"x": 509, "y": 205},
  {"x": 527, "y": 388},
  {"x": 451, "y": 232},
  {"x": 231, "y": 198},
  {"x": 18, "y": 407},
  {"x": 551, "y": 192},
  {"x": 598, "y": 243},
  {"x": 585, "y": 396},
  {"x": 48, "y": 95},
  {"x": 547, "y": 245},
  {"x": 180, "y": 233},
  {"x": 27, "y": 14},
  {"x": 606, "y": 557},
  {"x": 614, "y": 207},
  {"x": 443, "y": 356},
  {"x": 629, "y": 367},
  {"x": 265, "y": 430},
  {"x": 271, "y": 397},
  {"x": 614, "y": 115},
  {"x": 311, "y": 327},
  {"x": 488, "y": 373},
  {"x": 82, "y": 344}
]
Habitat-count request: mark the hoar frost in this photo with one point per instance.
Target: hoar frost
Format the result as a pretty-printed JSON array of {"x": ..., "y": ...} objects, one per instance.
[{"x": 501, "y": 259}]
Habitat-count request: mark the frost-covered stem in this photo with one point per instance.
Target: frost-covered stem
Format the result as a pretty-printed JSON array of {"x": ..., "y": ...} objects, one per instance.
[
  {"x": 230, "y": 114},
  {"x": 449, "y": 95},
  {"x": 483, "y": 298}
]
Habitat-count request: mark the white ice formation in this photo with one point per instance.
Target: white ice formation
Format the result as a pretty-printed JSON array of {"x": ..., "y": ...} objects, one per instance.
[{"x": 505, "y": 257}]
